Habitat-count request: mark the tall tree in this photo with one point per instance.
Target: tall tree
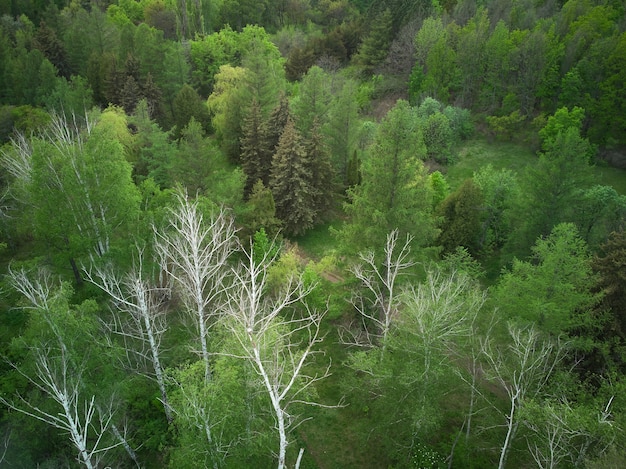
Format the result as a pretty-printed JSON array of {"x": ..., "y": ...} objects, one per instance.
[
  {"x": 56, "y": 368},
  {"x": 291, "y": 183},
  {"x": 275, "y": 125},
  {"x": 395, "y": 192},
  {"x": 139, "y": 318},
  {"x": 227, "y": 105},
  {"x": 52, "y": 48},
  {"x": 553, "y": 289},
  {"x": 551, "y": 188},
  {"x": 375, "y": 46},
  {"x": 461, "y": 218},
  {"x": 321, "y": 172},
  {"x": 81, "y": 189},
  {"x": 610, "y": 265},
  {"x": 256, "y": 158},
  {"x": 195, "y": 253},
  {"x": 341, "y": 129},
  {"x": 274, "y": 342},
  {"x": 187, "y": 104},
  {"x": 313, "y": 100}
]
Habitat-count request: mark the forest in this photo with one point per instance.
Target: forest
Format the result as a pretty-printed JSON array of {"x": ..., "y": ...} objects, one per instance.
[{"x": 313, "y": 234}]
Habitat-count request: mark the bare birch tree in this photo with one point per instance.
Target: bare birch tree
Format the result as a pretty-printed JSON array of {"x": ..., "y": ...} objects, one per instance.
[
  {"x": 523, "y": 372},
  {"x": 87, "y": 423},
  {"x": 276, "y": 342},
  {"x": 562, "y": 432},
  {"x": 440, "y": 310},
  {"x": 381, "y": 307},
  {"x": 59, "y": 378},
  {"x": 195, "y": 252},
  {"x": 138, "y": 316}
]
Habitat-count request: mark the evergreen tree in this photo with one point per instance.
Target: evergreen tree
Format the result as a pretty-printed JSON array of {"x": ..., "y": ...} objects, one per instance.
[
  {"x": 313, "y": 101},
  {"x": 130, "y": 95},
  {"x": 260, "y": 211},
  {"x": 395, "y": 192},
  {"x": 188, "y": 104},
  {"x": 551, "y": 190},
  {"x": 341, "y": 132},
  {"x": 610, "y": 264},
  {"x": 52, "y": 48},
  {"x": 275, "y": 125},
  {"x": 461, "y": 218},
  {"x": 255, "y": 157},
  {"x": 376, "y": 45},
  {"x": 153, "y": 96},
  {"x": 321, "y": 172},
  {"x": 291, "y": 183}
]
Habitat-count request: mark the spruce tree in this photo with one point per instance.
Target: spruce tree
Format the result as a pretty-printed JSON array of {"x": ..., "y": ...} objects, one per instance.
[
  {"x": 321, "y": 172},
  {"x": 275, "y": 126},
  {"x": 255, "y": 158},
  {"x": 375, "y": 46},
  {"x": 291, "y": 183},
  {"x": 461, "y": 214},
  {"x": 52, "y": 48},
  {"x": 130, "y": 95}
]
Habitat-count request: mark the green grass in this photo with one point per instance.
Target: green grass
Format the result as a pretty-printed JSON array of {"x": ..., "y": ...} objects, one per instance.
[
  {"x": 319, "y": 241},
  {"x": 478, "y": 153},
  {"x": 610, "y": 176}
]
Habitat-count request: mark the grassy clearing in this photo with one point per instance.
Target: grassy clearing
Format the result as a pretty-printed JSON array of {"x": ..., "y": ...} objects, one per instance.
[
  {"x": 478, "y": 153},
  {"x": 319, "y": 241}
]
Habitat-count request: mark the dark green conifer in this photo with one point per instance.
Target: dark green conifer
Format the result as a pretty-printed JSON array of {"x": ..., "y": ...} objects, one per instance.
[
  {"x": 130, "y": 95},
  {"x": 275, "y": 126},
  {"x": 188, "y": 104},
  {"x": 375, "y": 46},
  {"x": 321, "y": 172},
  {"x": 52, "y": 48},
  {"x": 461, "y": 215},
  {"x": 290, "y": 183},
  {"x": 255, "y": 157}
]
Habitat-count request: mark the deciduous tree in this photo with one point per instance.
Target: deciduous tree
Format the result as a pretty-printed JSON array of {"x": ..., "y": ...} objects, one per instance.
[{"x": 195, "y": 252}]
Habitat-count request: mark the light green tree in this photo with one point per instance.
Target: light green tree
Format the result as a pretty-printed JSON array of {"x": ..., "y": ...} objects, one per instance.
[
  {"x": 79, "y": 187},
  {"x": 395, "y": 192},
  {"x": 553, "y": 290}
]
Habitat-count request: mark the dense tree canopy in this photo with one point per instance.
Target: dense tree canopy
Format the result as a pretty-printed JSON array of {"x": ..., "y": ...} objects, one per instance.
[{"x": 214, "y": 213}]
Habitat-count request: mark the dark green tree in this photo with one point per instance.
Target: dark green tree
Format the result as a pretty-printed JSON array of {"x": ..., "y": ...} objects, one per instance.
[
  {"x": 321, "y": 172},
  {"x": 341, "y": 131},
  {"x": 188, "y": 104},
  {"x": 291, "y": 183},
  {"x": 554, "y": 289},
  {"x": 256, "y": 158},
  {"x": 461, "y": 215},
  {"x": 52, "y": 48},
  {"x": 550, "y": 190},
  {"x": 375, "y": 46},
  {"x": 313, "y": 100},
  {"x": 275, "y": 124},
  {"x": 260, "y": 211},
  {"x": 130, "y": 95},
  {"x": 610, "y": 265}
]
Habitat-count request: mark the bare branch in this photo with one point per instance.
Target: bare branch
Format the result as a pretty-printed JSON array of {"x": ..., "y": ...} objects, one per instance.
[
  {"x": 139, "y": 315},
  {"x": 267, "y": 336},
  {"x": 381, "y": 283},
  {"x": 195, "y": 254}
]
